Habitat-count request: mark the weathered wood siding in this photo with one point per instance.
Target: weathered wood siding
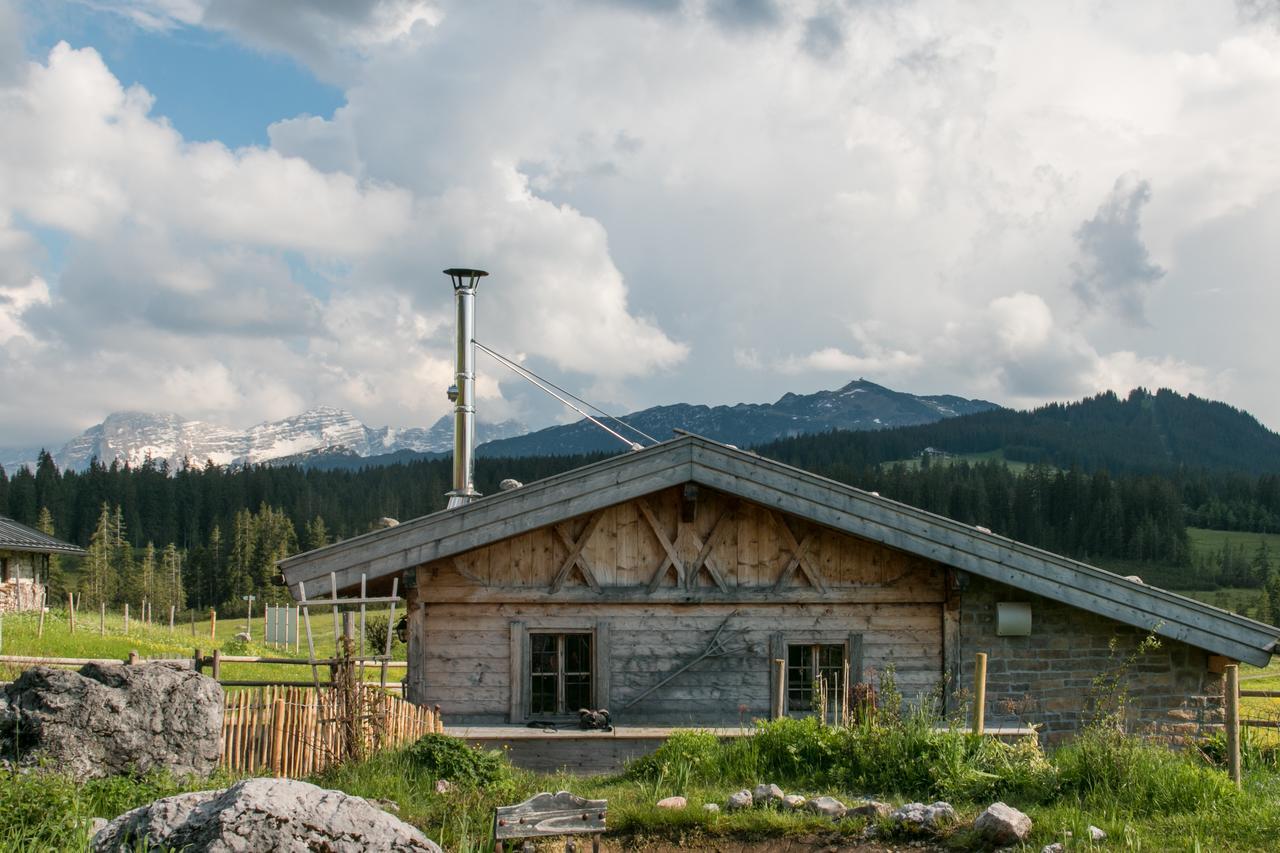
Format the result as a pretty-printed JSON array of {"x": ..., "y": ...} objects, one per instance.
[
  {"x": 467, "y": 664},
  {"x": 655, "y": 588}
]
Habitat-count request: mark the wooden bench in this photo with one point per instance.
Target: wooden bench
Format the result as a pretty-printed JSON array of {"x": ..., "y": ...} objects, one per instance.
[{"x": 547, "y": 816}]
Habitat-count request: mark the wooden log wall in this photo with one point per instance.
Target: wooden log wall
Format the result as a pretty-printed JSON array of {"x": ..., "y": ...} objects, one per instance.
[{"x": 468, "y": 661}]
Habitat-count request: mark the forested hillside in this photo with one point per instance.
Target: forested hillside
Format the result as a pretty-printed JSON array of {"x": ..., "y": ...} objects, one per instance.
[
  {"x": 1112, "y": 481},
  {"x": 1143, "y": 433}
]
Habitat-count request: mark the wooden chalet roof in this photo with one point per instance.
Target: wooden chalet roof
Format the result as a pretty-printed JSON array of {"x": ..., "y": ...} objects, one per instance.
[
  {"x": 18, "y": 537},
  {"x": 689, "y": 458}
]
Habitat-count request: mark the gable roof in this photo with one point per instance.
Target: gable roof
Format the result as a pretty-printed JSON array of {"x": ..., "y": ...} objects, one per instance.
[
  {"x": 691, "y": 458},
  {"x": 15, "y": 536}
]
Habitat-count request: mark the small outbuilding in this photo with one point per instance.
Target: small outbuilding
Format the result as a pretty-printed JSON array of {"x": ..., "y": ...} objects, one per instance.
[
  {"x": 24, "y": 564},
  {"x": 663, "y": 584}
]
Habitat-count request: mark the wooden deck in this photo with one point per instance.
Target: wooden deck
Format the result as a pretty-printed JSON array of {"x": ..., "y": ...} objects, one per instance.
[{"x": 586, "y": 752}]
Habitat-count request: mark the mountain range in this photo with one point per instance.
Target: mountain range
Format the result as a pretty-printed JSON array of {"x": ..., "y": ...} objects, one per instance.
[
  {"x": 860, "y": 405},
  {"x": 327, "y": 437},
  {"x": 132, "y": 437}
]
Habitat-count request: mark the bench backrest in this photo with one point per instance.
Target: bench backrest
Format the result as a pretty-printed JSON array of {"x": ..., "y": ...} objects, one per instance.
[{"x": 547, "y": 815}]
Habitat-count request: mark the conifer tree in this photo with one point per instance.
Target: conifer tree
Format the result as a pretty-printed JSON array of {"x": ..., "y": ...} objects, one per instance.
[
  {"x": 98, "y": 578},
  {"x": 126, "y": 586},
  {"x": 55, "y": 580}
]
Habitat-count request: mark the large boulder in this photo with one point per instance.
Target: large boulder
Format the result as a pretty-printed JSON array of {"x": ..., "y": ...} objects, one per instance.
[
  {"x": 282, "y": 815},
  {"x": 110, "y": 719}
]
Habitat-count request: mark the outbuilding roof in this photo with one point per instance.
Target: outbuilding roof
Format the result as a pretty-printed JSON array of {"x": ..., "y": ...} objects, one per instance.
[
  {"x": 15, "y": 536},
  {"x": 746, "y": 475}
]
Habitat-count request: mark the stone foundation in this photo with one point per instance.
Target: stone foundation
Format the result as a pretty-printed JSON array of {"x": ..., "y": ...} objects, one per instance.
[{"x": 1048, "y": 678}]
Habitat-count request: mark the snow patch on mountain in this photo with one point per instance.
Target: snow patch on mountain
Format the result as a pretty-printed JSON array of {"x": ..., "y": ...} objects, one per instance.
[{"x": 134, "y": 437}]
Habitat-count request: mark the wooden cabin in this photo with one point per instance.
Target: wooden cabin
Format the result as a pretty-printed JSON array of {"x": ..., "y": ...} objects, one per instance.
[
  {"x": 24, "y": 565},
  {"x": 662, "y": 584}
]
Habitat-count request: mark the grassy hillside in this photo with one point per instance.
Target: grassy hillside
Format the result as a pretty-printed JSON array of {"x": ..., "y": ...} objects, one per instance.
[{"x": 1209, "y": 542}]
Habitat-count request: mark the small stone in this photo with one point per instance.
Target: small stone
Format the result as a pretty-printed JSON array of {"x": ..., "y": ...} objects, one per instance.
[
  {"x": 1055, "y": 847},
  {"x": 918, "y": 816},
  {"x": 672, "y": 803},
  {"x": 871, "y": 809},
  {"x": 740, "y": 800},
  {"x": 1096, "y": 835},
  {"x": 793, "y": 801},
  {"x": 443, "y": 786},
  {"x": 242, "y": 637},
  {"x": 711, "y": 808},
  {"x": 765, "y": 795},
  {"x": 1002, "y": 825},
  {"x": 827, "y": 807}
]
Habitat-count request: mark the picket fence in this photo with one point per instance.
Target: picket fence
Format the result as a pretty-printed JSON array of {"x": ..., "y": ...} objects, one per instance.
[{"x": 297, "y": 731}]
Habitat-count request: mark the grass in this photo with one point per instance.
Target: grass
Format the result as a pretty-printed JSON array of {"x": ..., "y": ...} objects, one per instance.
[
  {"x": 1205, "y": 542},
  {"x": 19, "y": 635},
  {"x": 1145, "y": 796},
  {"x": 913, "y": 463}
]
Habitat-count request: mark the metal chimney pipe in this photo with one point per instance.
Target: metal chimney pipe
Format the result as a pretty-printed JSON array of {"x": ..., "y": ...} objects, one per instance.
[{"x": 463, "y": 392}]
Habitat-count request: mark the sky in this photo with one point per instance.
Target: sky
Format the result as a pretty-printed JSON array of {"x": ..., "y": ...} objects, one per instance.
[{"x": 236, "y": 210}]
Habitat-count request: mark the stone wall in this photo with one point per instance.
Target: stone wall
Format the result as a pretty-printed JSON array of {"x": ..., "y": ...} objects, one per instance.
[{"x": 1047, "y": 678}]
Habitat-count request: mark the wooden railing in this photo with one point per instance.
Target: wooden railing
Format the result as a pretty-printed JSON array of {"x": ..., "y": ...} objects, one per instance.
[{"x": 295, "y": 731}]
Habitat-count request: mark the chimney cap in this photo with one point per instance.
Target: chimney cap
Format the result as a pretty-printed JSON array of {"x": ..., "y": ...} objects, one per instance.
[{"x": 464, "y": 278}]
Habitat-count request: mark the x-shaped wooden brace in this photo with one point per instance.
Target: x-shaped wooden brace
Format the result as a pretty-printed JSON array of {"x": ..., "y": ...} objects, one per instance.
[
  {"x": 705, "y": 560},
  {"x": 688, "y": 576},
  {"x": 799, "y": 556},
  {"x": 576, "y": 557},
  {"x": 672, "y": 559}
]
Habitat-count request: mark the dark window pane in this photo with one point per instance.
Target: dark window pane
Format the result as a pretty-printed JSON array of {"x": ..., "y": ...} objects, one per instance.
[{"x": 799, "y": 678}]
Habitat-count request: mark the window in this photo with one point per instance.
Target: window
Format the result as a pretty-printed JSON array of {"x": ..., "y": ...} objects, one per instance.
[
  {"x": 559, "y": 673},
  {"x": 808, "y": 662},
  {"x": 4, "y": 569}
]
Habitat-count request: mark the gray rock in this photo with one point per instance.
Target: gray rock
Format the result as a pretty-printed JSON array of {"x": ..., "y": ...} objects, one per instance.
[
  {"x": 764, "y": 795},
  {"x": 243, "y": 637},
  {"x": 1002, "y": 825},
  {"x": 111, "y": 719},
  {"x": 827, "y": 807},
  {"x": 711, "y": 808},
  {"x": 282, "y": 815},
  {"x": 924, "y": 817},
  {"x": 96, "y": 825},
  {"x": 1096, "y": 835},
  {"x": 1055, "y": 847},
  {"x": 672, "y": 803},
  {"x": 793, "y": 801},
  {"x": 871, "y": 809},
  {"x": 741, "y": 800},
  {"x": 390, "y": 806},
  {"x": 443, "y": 786}
]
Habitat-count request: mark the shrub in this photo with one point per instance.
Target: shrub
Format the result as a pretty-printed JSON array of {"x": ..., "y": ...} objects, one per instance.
[
  {"x": 375, "y": 634},
  {"x": 449, "y": 758},
  {"x": 1125, "y": 772}
]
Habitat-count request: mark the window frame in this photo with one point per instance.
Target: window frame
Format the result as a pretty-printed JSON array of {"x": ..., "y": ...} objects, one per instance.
[
  {"x": 521, "y": 669},
  {"x": 779, "y": 648}
]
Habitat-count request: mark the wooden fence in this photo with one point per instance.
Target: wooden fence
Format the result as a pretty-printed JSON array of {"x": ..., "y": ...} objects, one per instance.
[{"x": 296, "y": 731}]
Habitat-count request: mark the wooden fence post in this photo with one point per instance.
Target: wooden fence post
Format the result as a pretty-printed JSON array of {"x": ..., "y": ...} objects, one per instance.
[
  {"x": 277, "y": 737},
  {"x": 71, "y": 612},
  {"x": 1231, "y": 679},
  {"x": 979, "y": 692},
  {"x": 44, "y": 594},
  {"x": 102, "y": 619},
  {"x": 213, "y": 624},
  {"x": 197, "y": 660},
  {"x": 779, "y": 705},
  {"x": 172, "y": 610},
  {"x": 133, "y": 657},
  {"x": 217, "y": 664},
  {"x": 126, "y": 617}
]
